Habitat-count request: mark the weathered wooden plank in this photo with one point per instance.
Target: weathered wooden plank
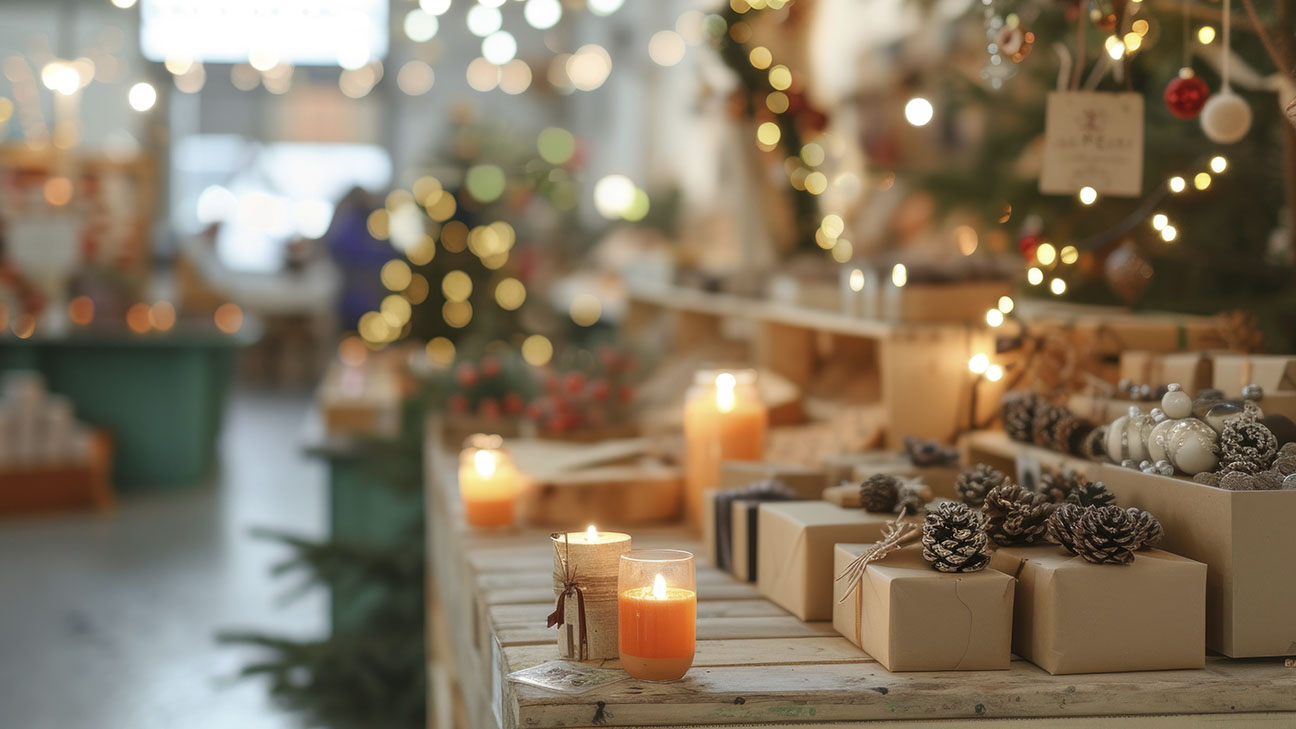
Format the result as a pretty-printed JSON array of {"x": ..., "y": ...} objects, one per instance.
[
  {"x": 511, "y": 616},
  {"x": 865, "y": 691},
  {"x": 730, "y": 590},
  {"x": 732, "y": 652},
  {"x": 707, "y": 629},
  {"x": 516, "y": 553}
]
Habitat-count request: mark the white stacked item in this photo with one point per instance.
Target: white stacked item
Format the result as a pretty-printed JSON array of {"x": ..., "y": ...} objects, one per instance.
[{"x": 38, "y": 429}]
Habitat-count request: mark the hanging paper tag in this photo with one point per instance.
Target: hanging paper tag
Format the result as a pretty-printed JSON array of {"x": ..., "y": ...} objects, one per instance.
[
  {"x": 1028, "y": 470},
  {"x": 1093, "y": 139}
]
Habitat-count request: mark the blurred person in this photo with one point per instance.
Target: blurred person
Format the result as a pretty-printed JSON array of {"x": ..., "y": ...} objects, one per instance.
[{"x": 358, "y": 255}]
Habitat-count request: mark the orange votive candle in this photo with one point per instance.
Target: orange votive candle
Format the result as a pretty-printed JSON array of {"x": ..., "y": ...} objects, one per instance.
[
  {"x": 724, "y": 420},
  {"x": 657, "y": 613},
  {"x": 488, "y": 482}
]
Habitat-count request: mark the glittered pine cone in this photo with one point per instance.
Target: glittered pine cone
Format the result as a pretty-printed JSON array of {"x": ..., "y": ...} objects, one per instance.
[
  {"x": 1246, "y": 445},
  {"x": 974, "y": 483},
  {"x": 1094, "y": 445},
  {"x": 1019, "y": 414},
  {"x": 880, "y": 492},
  {"x": 1104, "y": 534},
  {"x": 1058, "y": 485},
  {"x": 1045, "y": 427},
  {"x": 1091, "y": 493},
  {"x": 929, "y": 452},
  {"x": 1016, "y": 516},
  {"x": 954, "y": 538},
  {"x": 913, "y": 499}
]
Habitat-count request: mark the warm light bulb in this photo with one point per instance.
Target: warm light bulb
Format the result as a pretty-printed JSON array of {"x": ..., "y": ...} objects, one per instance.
[
  {"x": 1169, "y": 233},
  {"x": 856, "y": 280},
  {"x": 1160, "y": 221},
  {"x": 1177, "y": 184},
  {"x": 1202, "y": 180},
  {"x": 918, "y": 111},
  {"x": 591, "y": 534},
  {"x": 484, "y": 462},
  {"x": 1088, "y": 195},
  {"x": 1115, "y": 48},
  {"x": 1006, "y": 304},
  {"x": 1046, "y": 254},
  {"x": 1057, "y": 286},
  {"x": 994, "y": 317},
  {"x": 978, "y": 363},
  {"x": 994, "y": 373},
  {"x": 659, "y": 588},
  {"x": 1218, "y": 164},
  {"x": 1034, "y": 276},
  {"x": 1206, "y": 35},
  {"x": 899, "y": 275}
]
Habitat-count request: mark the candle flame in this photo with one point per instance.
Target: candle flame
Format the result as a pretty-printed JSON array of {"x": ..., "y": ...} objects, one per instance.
[
  {"x": 591, "y": 534},
  {"x": 659, "y": 588},
  {"x": 725, "y": 383},
  {"x": 484, "y": 461}
]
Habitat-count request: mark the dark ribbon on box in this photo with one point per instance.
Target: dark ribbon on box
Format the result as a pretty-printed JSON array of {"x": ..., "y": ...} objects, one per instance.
[
  {"x": 771, "y": 490},
  {"x": 896, "y": 535},
  {"x": 570, "y": 586}
]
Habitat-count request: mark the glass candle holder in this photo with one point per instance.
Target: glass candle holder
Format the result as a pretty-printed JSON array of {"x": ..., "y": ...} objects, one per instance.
[
  {"x": 657, "y": 606},
  {"x": 724, "y": 420},
  {"x": 488, "y": 481}
]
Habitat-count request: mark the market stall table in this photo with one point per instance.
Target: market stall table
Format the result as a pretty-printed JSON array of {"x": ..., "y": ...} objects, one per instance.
[{"x": 490, "y": 590}]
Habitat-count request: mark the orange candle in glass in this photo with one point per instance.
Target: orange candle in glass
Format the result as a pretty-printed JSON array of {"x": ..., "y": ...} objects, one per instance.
[
  {"x": 657, "y": 613},
  {"x": 724, "y": 420},
  {"x": 488, "y": 481}
]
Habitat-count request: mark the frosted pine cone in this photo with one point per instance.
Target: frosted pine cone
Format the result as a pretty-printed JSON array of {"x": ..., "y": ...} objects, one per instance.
[
  {"x": 1016, "y": 516},
  {"x": 974, "y": 483},
  {"x": 1246, "y": 445},
  {"x": 1104, "y": 534},
  {"x": 1091, "y": 493},
  {"x": 1019, "y": 413},
  {"x": 954, "y": 539},
  {"x": 880, "y": 492},
  {"x": 913, "y": 499},
  {"x": 1058, "y": 485}
]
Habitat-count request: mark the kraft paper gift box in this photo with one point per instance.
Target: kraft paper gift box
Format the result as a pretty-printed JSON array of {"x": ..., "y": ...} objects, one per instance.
[
  {"x": 855, "y": 467},
  {"x": 1246, "y": 540},
  {"x": 1276, "y": 374},
  {"x": 794, "y": 558},
  {"x": 745, "y": 528},
  {"x": 909, "y": 617},
  {"x": 1192, "y": 370},
  {"x": 807, "y": 483},
  {"x": 1071, "y": 616},
  {"x": 726, "y": 541}
]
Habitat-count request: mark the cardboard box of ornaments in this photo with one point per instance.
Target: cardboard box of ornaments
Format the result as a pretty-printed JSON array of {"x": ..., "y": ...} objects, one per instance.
[{"x": 1275, "y": 375}]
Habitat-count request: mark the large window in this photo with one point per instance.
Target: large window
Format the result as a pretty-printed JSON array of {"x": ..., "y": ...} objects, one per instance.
[{"x": 347, "y": 33}]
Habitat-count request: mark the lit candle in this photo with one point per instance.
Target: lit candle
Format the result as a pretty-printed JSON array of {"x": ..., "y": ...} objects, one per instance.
[
  {"x": 488, "y": 481},
  {"x": 585, "y": 570},
  {"x": 724, "y": 420},
  {"x": 658, "y": 606}
]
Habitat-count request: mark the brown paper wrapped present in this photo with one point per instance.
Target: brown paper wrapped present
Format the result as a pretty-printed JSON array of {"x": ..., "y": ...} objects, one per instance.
[
  {"x": 855, "y": 467},
  {"x": 795, "y": 551},
  {"x": 1190, "y": 369},
  {"x": 1071, "y": 616},
  {"x": 1275, "y": 374},
  {"x": 807, "y": 482},
  {"x": 910, "y": 617}
]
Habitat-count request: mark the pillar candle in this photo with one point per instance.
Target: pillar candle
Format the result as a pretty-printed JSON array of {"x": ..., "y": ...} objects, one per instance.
[
  {"x": 724, "y": 420},
  {"x": 488, "y": 481},
  {"x": 588, "y": 560},
  {"x": 658, "y": 613}
]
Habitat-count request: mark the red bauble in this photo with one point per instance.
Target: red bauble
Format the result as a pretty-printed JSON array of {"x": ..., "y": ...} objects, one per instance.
[
  {"x": 1028, "y": 244},
  {"x": 1186, "y": 95}
]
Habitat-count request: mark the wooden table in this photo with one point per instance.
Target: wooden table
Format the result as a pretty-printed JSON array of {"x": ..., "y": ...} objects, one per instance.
[{"x": 489, "y": 593}]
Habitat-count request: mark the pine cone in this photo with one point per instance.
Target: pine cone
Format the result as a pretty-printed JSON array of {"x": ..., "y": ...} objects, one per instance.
[
  {"x": 1104, "y": 534},
  {"x": 1285, "y": 464},
  {"x": 1019, "y": 413},
  {"x": 954, "y": 538},
  {"x": 1017, "y": 516},
  {"x": 913, "y": 499},
  {"x": 1091, "y": 493},
  {"x": 929, "y": 452},
  {"x": 1058, "y": 485},
  {"x": 880, "y": 492},
  {"x": 1209, "y": 478},
  {"x": 974, "y": 483},
  {"x": 1236, "y": 481},
  {"x": 1247, "y": 445},
  {"x": 1045, "y": 425},
  {"x": 1094, "y": 444}
]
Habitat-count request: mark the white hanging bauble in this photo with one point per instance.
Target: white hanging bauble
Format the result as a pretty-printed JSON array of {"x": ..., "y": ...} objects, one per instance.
[
  {"x": 1190, "y": 446},
  {"x": 1226, "y": 118}
]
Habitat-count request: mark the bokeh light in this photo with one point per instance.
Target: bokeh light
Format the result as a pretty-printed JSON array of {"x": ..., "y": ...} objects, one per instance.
[{"x": 537, "y": 350}]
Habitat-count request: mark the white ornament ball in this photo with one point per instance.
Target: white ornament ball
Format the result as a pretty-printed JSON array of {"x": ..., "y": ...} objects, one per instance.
[
  {"x": 1190, "y": 446},
  {"x": 1176, "y": 404},
  {"x": 1226, "y": 118},
  {"x": 1157, "y": 441}
]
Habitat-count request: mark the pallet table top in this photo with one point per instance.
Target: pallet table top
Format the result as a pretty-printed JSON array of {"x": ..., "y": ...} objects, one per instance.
[{"x": 756, "y": 664}]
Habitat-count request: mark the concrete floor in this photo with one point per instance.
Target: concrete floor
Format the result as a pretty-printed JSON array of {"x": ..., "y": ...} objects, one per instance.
[{"x": 108, "y": 622}]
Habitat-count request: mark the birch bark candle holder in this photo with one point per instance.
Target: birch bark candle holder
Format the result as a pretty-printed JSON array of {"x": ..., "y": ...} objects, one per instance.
[{"x": 585, "y": 588}]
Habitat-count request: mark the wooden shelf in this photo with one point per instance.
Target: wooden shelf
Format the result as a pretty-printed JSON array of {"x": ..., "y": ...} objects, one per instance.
[{"x": 489, "y": 593}]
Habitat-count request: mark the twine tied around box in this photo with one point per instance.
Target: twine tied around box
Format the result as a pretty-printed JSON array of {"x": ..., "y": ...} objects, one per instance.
[
  {"x": 600, "y": 592},
  {"x": 898, "y": 534}
]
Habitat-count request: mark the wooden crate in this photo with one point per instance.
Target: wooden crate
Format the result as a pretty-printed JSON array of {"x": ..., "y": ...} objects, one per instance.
[{"x": 44, "y": 489}]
